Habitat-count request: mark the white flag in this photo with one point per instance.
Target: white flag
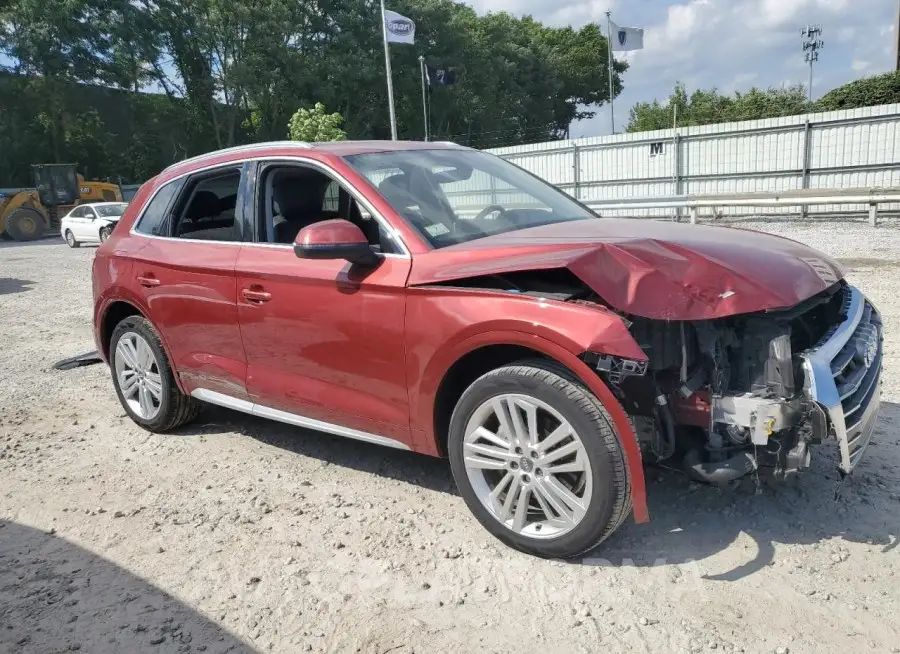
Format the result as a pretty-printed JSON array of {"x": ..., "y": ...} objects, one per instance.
[
  {"x": 400, "y": 29},
  {"x": 625, "y": 39}
]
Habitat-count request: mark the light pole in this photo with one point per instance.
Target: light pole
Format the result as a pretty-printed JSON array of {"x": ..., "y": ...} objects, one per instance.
[
  {"x": 811, "y": 46},
  {"x": 897, "y": 36}
]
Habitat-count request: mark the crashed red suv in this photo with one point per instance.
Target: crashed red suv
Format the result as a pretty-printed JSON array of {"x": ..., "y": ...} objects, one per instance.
[{"x": 430, "y": 297}]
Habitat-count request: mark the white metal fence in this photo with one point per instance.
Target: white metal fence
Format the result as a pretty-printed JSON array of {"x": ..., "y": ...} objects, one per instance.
[
  {"x": 857, "y": 148},
  {"x": 726, "y": 203}
]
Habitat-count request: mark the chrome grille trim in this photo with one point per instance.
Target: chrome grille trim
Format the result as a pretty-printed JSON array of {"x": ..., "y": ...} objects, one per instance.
[{"x": 843, "y": 375}]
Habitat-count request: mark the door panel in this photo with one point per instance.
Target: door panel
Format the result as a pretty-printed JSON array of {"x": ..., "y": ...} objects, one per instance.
[
  {"x": 86, "y": 226},
  {"x": 325, "y": 340},
  {"x": 190, "y": 289},
  {"x": 76, "y": 224}
]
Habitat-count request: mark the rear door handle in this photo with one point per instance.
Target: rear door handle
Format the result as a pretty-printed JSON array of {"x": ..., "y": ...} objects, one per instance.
[
  {"x": 148, "y": 281},
  {"x": 254, "y": 295}
]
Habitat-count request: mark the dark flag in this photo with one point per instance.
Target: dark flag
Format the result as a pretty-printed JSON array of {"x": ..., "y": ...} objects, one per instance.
[{"x": 440, "y": 76}]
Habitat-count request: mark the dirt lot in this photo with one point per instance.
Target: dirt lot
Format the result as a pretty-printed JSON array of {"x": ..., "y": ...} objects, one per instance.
[{"x": 241, "y": 535}]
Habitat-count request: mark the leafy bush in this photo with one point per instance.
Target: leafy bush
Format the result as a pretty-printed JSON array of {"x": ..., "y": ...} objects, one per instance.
[
  {"x": 866, "y": 92},
  {"x": 314, "y": 125}
]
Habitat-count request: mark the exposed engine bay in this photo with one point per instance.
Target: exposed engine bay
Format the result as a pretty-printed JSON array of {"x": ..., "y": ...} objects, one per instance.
[
  {"x": 725, "y": 397},
  {"x": 722, "y": 397}
]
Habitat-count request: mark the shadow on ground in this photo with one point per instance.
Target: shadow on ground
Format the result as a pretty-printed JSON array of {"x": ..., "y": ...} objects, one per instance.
[
  {"x": 386, "y": 462},
  {"x": 9, "y": 285},
  {"x": 51, "y": 239},
  {"x": 56, "y": 597},
  {"x": 689, "y": 521}
]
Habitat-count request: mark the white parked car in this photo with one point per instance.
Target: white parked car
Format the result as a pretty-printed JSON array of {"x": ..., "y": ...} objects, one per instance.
[{"x": 91, "y": 223}]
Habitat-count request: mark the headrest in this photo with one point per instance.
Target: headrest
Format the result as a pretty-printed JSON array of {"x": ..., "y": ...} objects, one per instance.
[
  {"x": 203, "y": 205},
  {"x": 295, "y": 195}
]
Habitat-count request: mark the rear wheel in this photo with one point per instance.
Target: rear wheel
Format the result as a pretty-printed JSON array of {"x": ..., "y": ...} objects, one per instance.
[
  {"x": 70, "y": 239},
  {"x": 25, "y": 224},
  {"x": 144, "y": 380},
  {"x": 536, "y": 458}
]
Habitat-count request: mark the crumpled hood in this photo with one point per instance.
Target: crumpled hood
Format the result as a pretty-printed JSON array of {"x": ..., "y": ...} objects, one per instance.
[{"x": 650, "y": 268}]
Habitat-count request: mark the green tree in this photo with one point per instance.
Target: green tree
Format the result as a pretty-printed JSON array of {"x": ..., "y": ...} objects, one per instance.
[
  {"x": 709, "y": 107},
  {"x": 58, "y": 42},
  {"x": 315, "y": 125},
  {"x": 866, "y": 92},
  {"x": 168, "y": 79}
]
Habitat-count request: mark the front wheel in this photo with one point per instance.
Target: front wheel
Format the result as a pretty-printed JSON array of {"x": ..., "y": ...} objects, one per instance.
[
  {"x": 25, "y": 224},
  {"x": 537, "y": 460},
  {"x": 144, "y": 379},
  {"x": 104, "y": 234}
]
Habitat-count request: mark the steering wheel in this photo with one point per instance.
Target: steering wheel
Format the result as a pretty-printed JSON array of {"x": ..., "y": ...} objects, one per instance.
[{"x": 488, "y": 210}]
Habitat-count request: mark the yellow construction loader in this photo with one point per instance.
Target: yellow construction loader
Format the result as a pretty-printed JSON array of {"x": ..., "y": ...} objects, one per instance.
[{"x": 26, "y": 214}]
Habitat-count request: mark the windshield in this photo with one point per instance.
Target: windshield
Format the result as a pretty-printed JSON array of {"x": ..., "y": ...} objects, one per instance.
[
  {"x": 454, "y": 196},
  {"x": 110, "y": 210}
]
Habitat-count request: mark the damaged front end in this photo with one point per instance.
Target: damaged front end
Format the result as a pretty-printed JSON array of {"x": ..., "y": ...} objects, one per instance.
[{"x": 724, "y": 397}]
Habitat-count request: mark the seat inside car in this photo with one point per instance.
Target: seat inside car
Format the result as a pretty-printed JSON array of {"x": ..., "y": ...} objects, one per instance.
[
  {"x": 299, "y": 198},
  {"x": 348, "y": 208},
  {"x": 396, "y": 189},
  {"x": 200, "y": 219}
]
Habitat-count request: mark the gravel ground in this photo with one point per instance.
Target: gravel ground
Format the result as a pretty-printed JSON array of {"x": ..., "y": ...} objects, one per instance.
[{"x": 240, "y": 535}]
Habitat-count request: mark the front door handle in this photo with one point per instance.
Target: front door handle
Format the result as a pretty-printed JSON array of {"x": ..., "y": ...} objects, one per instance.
[
  {"x": 256, "y": 295},
  {"x": 148, "y": 281}
]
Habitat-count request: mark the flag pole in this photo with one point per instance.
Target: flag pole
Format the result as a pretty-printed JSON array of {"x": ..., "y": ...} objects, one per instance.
[
  {"x": 430, "y": 132},
  {"x": 609, "y": 56},
  {"x": 387, "y": 69},
  {"x": 424, "y": 103}
]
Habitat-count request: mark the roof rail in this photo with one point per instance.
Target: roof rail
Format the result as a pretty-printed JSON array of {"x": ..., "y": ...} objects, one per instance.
[
  {"x": 459, "y": 145},
  {"x": 238, "y": 149}
]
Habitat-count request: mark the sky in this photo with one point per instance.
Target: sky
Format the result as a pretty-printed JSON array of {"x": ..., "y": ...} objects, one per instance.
[{"x": 731, "y": 45}]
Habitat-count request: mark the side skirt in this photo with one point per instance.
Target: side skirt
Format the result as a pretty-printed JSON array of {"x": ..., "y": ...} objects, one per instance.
[{"x": 293, "y": 419}]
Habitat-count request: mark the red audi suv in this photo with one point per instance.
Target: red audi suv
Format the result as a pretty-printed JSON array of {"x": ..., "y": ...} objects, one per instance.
[{"x": 430, "y": 297}]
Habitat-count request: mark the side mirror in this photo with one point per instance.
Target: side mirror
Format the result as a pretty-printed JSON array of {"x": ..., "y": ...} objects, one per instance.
[{"x": 335, "y": 239}]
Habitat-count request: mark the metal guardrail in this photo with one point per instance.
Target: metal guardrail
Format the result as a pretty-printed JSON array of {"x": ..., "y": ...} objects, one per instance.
[{"x": 795, "y": 198}]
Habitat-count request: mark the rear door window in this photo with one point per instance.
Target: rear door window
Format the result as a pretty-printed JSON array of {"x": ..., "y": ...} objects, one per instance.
[
  {"x": 206, "y": 209},
  {"x": 153, "y": 220}
]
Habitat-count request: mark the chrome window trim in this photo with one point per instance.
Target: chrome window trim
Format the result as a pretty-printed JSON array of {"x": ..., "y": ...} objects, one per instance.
[
  {"x": 284, "y": 246},
  {"x": 286, "y": 417},
  {"x": 382, "y": 221}
]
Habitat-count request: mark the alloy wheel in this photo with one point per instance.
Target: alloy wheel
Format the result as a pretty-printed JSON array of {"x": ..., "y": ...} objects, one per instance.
[
  {"x": 138, "y": 376},
  {"x": 527, "y": 466}
]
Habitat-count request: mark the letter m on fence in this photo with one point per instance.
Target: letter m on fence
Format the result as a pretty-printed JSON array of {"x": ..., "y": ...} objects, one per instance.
[{"x": 656, "y": 148}]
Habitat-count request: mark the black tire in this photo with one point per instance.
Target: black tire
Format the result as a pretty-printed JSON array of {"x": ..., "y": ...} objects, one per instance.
[
  {"x": 70, "y": 239},
  {"x": 25, "y": 224},
  {"x": 176, "y": 408},
  {"x": 104, "y": 234},
  {"x": 554, "y": 385}
]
